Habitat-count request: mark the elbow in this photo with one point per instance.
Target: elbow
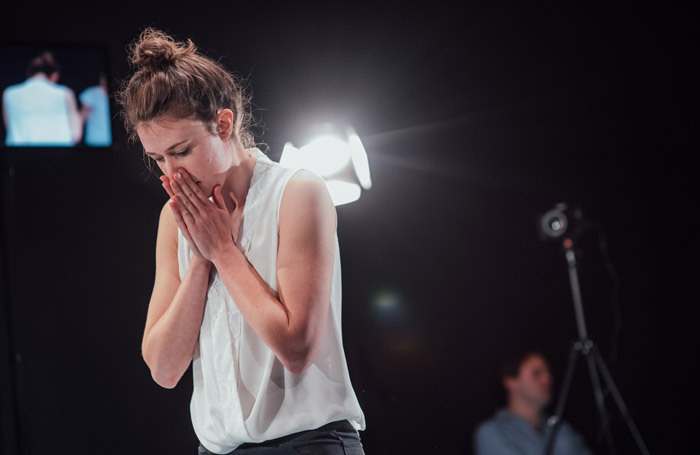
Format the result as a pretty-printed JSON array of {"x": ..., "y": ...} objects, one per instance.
[
  {"x": 165, "y": 381},
  {"x": 161, "y": 376},
  {"x": 301, "y": 358},
  {"x": 297, "y": 366}
]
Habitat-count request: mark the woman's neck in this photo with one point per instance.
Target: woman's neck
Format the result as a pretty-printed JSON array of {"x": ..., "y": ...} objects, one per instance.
[{"x": 235, "y": 188}]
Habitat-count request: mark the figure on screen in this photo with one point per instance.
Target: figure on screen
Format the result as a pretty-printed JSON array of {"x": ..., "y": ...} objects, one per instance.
[
  {"x": 521, "y": 428},
  {"x": 39, "y": 111},
  {"x": 95, "y": 112}
]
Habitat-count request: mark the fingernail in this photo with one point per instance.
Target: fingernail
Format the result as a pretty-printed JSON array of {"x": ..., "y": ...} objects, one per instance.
[{"x": 178, "y": 176}]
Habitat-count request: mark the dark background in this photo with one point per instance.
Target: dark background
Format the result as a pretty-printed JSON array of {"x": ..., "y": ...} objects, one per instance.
[{"x": 476, "y": 118}]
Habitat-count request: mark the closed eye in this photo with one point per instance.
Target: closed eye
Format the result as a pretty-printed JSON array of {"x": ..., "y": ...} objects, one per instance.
[{"x": 179, "y": 154}]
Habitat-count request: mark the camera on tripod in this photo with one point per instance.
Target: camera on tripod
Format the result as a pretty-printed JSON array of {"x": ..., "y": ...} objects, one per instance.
[
  {"x": 562, "y": 220},
  {"x": 567, "y": 223}
]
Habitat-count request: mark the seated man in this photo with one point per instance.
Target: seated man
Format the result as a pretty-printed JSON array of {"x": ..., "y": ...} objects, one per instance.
[{"x": 521, "y": 428}]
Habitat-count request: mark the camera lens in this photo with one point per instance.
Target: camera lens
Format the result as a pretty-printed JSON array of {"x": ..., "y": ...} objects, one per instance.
[{"x": 554, "y": 223}]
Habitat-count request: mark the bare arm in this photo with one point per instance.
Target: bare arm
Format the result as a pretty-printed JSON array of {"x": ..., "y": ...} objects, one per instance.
[
  {"x": 4, "y": 114},
  {"x": 175, "y": 310},
  {"x": 85, "y": 112},
  {"x": 74, "y": 117},
  {"x": 293, "y": 325}
]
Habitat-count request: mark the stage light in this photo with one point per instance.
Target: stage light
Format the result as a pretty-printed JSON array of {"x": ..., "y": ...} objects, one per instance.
[
  {"x": 389, "y": 308},
  {"x": 359, "y": 158},
  {"x": 343, "y": 192},
  {"x": 340, "y": 159},
  {"x": 387, "y": 300}
]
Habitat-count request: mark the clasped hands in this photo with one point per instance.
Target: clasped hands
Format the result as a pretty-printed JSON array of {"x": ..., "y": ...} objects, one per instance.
[{"x": 205, "y": 224}]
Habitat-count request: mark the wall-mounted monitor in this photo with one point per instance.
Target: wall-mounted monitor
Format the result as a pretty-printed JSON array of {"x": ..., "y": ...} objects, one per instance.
[{"x": 55, "y": 95}]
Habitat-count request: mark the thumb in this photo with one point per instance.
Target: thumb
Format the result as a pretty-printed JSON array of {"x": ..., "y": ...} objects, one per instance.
[{"x": 218, "y": 198}]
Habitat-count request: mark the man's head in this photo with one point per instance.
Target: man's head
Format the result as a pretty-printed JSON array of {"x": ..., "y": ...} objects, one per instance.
[{"x": 527, "y": 379}]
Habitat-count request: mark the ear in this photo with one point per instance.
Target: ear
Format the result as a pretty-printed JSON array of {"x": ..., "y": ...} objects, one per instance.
[
  {"x": 508, "y": 383},
  {"x": 224, "y": 124}
]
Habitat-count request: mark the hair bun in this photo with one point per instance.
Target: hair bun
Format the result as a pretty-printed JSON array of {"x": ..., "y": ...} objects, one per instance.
[{"x": 154, "y": 51}]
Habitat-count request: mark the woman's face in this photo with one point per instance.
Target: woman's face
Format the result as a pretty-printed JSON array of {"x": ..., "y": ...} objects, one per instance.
[{"x": 186, "y": 144}]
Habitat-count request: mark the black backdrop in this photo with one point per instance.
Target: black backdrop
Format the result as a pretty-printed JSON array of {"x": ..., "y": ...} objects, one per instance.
[{"x": 476, "y": 118}]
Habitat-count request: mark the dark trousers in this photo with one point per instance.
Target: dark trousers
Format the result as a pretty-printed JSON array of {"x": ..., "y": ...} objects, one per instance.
[{"x": 335, "y": 438}]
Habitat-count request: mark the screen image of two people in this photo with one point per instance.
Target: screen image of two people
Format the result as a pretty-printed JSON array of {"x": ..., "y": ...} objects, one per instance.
[{"x": 41, "y": 112}]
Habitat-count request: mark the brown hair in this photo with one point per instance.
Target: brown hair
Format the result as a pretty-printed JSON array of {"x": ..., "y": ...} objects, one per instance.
[
  {"x": 44, "y": 63},
  {"x": 510, "y": 366},
  {"x": 173, "y": 79}
]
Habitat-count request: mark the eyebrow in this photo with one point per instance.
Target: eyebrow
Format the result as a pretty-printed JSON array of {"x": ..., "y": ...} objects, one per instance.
[{"x": 167, "y": 150}]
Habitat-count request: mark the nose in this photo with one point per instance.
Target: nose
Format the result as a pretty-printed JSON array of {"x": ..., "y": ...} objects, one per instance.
[{"x": 167, "y": 168}]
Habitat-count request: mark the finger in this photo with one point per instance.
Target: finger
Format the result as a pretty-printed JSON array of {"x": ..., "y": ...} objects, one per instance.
[
  {"x": 168, "y": 190},
  {"x": 187, "y": 190},
  {"x": 185, "y": 214},
  {"x": 166, "y": 185},
  {"x": 183, "y": 199},
  {"x": 178, "y": 217},
  {"x": 189, "y": 185},
  {"x": 180, "y": 185},
  {"x": 183, "y": 228},
  {"x": 218, "y": 198}
]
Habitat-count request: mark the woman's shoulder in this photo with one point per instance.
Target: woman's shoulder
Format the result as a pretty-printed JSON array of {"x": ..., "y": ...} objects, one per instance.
[
  {"x": 305, "y": 186},
  {"x": 167, "y": 226},
  {"x": 306, "y": 196},
  {"x": 305, "y": 178}
]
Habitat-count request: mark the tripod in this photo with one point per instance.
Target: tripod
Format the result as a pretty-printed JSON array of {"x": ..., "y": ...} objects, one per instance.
[{"x": 596, "y": 367}]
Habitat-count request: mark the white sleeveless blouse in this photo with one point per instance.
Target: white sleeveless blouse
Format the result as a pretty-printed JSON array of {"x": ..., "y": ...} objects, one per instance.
[
  {"x": 37, "y": 114},
  {"x": 242, "y": 392}
]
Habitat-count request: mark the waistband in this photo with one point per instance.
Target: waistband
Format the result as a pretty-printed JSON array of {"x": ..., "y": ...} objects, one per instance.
[{"x": 339, "y": 425}]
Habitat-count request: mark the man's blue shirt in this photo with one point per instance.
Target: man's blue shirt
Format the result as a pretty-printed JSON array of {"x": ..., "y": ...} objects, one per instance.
[{"x": 509, "y": 434}]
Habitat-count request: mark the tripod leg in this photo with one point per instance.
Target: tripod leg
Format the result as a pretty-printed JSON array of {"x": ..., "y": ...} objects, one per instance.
[
  {"x": 607, "y": 377},
  {"x": 555, "y": 421},
  {"x": 599, "y": 398}
]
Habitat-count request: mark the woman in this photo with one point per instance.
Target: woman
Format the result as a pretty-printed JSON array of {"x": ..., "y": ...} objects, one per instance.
[{"x": 247, "y": 283}]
